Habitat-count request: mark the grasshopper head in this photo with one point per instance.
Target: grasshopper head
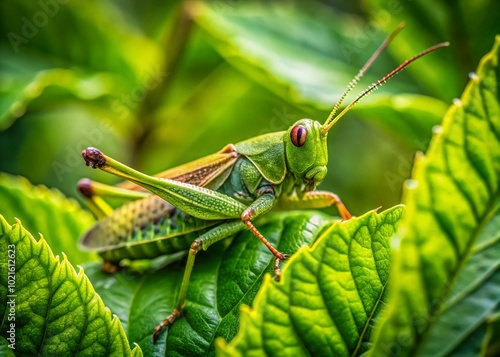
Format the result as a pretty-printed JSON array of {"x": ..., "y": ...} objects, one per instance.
[{"x": 306, "y": 151}]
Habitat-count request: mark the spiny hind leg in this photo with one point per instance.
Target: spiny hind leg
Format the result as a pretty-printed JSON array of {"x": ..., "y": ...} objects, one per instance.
[{"x": 214, "y": 235}]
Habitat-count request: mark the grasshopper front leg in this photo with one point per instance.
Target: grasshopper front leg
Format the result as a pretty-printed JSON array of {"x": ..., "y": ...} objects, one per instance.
[{"x": 261, "y": 205}]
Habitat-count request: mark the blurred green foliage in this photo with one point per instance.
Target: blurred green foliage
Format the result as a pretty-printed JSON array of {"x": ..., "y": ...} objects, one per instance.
[{"x": 156, "y": 84}]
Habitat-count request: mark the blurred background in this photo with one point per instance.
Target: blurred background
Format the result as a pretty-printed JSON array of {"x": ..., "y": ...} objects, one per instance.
[{"x": 158, "y": 83}]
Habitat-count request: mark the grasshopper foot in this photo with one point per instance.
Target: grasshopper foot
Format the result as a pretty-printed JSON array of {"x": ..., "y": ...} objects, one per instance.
[
  {"x": 168, "y": 321},
  {"x": 93, "y": 157},
  {"x": 277, "y": 269}
]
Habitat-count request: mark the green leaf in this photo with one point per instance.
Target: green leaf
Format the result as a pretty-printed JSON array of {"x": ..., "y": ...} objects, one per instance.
[
  {"x": 298, "y": 55},
  {"x": 20, "y": 85},
  {"x": 93, "y": 59},
  {"x": 4, "y": 348},
  {"x": 475, "y": 298},
  {"x": 492, "y": 343},
  {"x": 284, "y": 49},
  {"x": 329, "y": 296},
  {"x": 47, "y": 308},
  {"x": 224, "y": 277},
  {"x": 46, "y": 211},
  {"x": 449, "y": 241}
]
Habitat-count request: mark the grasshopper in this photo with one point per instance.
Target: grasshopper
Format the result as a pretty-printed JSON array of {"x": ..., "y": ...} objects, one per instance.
[{"x": 197, "y": 204}]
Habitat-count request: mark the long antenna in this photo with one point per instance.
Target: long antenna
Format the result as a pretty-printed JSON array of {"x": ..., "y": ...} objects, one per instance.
[
  {"x": 363, "y": 70},
  {"x": 332, "y": 120}
]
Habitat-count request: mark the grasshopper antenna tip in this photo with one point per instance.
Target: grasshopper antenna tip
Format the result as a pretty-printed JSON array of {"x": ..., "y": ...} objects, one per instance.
[{"x": 333, "y": 118}]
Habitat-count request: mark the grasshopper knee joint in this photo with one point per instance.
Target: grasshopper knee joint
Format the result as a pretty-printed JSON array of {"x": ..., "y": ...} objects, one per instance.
[
  {"x": 247, "y": 215},
  {"x": 195, "y": 246}
]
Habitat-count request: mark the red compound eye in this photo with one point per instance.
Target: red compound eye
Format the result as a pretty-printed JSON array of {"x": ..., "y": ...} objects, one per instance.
[{"x": 298, "y": 135}]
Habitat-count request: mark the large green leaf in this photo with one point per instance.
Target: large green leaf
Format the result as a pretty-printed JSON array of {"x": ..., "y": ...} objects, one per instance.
[
  {"x": 329, "y": 297},
  {"x": 475, "y": 298},
  {"x": 299, "y": 54},
  {"x": 70, "y": 46},
  {"x": 47, "y": 308},
  {"x": 46, "y": 211},
  {"x": 453, "y": 200},
  {"x": 22, "y": 83},
  {"x": 284, "y": 49}
]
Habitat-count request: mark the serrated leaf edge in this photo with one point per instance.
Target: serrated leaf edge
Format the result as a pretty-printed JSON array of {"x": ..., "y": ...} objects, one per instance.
[{"x": 79, "y": 277}]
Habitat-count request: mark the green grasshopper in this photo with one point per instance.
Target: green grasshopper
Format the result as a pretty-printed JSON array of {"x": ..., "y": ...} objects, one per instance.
[{"x": 197, "y": 204}]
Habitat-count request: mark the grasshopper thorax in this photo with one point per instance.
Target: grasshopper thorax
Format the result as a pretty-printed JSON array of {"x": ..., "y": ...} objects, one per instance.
[{"x": 306, "y": 152}]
